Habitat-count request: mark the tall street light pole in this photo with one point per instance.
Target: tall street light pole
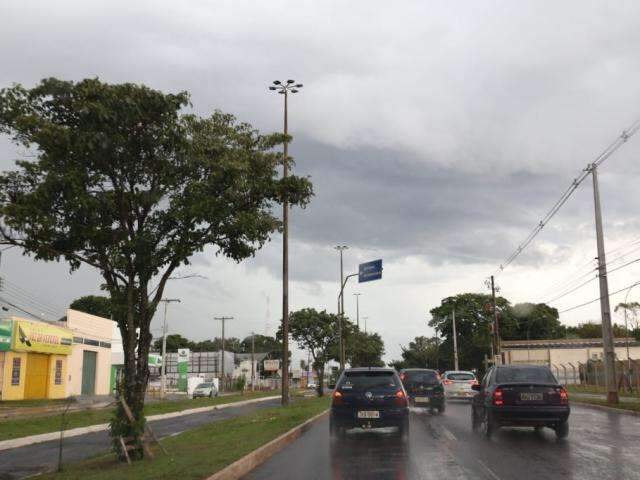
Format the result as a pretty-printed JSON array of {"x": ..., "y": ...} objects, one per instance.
[
  {"x": 455, "y": 340},
  {"x": 341, "y": 248},
  {"x": 163, "y": 377},
  {"x": 357, "y": 295},
  {"x": 605, "y": 308},
  {"x": 365, "y": 323},
  {"x": 285, "y": 88}
]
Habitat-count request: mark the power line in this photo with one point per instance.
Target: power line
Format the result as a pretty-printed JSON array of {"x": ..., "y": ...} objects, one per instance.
[
  {"x": 23, "y": 310},
  {"x": 615, "y": 145},
  {"x": 599, "y": 298}
]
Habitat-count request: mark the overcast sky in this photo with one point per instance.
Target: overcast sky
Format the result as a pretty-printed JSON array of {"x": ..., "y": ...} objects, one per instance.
[{"x": 437, "y": 134}]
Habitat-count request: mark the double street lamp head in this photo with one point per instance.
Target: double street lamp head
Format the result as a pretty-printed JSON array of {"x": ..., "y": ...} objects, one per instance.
[{"x": 290, "y": 86}]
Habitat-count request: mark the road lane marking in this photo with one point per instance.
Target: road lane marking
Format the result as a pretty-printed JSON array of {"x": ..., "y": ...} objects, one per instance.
[
  {"x": 489, "y": 471},
  {"x": 450, "y": 436}
]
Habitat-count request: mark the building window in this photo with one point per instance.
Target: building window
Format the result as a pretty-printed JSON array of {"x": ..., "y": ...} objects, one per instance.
[
  {"x": 15, "y": 372},
  {"x": 58, "y": 376}
]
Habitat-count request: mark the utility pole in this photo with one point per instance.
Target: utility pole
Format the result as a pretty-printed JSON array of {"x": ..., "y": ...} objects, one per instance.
[
  {"x": 496, "y": 322},
  {"x": 357, "y": 295},
  {"x": 284, "y": 88},
  {"x": 341, "y": 248},
  {"x": 605, "y": 308},
  {"x": 365, "y": 323},
  {"x": 455, "y": 340},
  {"x": 253, "y": 366},
  {"x": 163, "y": 377},
  {"x": 223, "y": 320}
]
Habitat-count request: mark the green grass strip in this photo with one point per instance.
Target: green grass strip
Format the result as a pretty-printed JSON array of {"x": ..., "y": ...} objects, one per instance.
[
  {"x": 199, "y": 453},
  {"x": 23, "y": 427}
]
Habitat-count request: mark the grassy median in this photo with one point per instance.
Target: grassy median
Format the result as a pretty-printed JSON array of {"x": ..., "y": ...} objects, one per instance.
[
  {"x": 22, "y": 427},
  {"x": 198, "y": 453}
]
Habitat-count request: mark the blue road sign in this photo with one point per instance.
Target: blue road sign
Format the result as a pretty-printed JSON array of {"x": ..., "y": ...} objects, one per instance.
[{"x": 370, "y": 271}]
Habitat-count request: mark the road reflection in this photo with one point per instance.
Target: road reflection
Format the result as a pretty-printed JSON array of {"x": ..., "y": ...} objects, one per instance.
[{"x": 370, "y": 455}]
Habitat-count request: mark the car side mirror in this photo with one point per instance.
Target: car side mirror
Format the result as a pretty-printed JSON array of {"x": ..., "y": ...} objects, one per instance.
[{"x": 476, "y": 387}]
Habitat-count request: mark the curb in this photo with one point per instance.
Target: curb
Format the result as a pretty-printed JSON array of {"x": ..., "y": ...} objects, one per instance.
[
  {"x": 74, "y": 432},
  {"x": 241, "y": 467},
  {"x": 633, "y": 413}
]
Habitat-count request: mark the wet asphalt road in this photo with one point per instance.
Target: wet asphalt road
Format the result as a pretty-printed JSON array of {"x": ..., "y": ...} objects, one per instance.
[
  {"x": 41, "y": 457},
  {"x": 601, "y": 445}
]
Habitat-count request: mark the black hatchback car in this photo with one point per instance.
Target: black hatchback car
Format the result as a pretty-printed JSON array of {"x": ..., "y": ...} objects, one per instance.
[
  {"x": 424, "y": 388},
  {"x": 520, "y": 395},
  {"x": 369, "y": 398}
]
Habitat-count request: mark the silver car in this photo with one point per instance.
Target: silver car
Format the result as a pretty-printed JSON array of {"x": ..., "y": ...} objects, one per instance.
[
  {"x": 205, "y": 390},
  {"x": 457, "y": 384}
]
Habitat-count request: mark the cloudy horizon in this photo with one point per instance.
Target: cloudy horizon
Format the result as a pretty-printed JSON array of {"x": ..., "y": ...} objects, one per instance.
[{"x": 436, "y": 136}]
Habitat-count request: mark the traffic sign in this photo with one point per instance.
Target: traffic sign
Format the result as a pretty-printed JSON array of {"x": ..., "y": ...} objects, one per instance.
[{"x": 370, "y": 271}]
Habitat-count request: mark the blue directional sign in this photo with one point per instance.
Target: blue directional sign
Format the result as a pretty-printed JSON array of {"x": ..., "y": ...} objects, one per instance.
[{"x": 370, "y": 271}]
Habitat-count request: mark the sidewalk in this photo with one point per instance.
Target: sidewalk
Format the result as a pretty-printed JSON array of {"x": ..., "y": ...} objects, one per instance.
[{"x": 74, "y": 432}]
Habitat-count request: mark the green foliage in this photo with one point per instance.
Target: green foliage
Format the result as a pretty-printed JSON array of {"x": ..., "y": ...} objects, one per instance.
[
  {"x": 263, "y": 344},
  {"x": 422, "y": 352},
  {"x": 316, "y": 332},
  {"x": 124, "y": 182},
  {"x": 240, "y": 383},
  {"x": 473, "y": 324},
  {"x": 93, "y": 305},
  {"x": 364, "y": 349},
  {"x": 535, "y": 322}
]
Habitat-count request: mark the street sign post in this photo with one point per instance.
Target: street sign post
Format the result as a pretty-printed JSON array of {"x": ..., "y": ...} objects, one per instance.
[{"x": 370, "y": 271}]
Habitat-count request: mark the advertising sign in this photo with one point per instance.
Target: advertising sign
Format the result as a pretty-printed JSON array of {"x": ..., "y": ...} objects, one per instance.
[
  {"x": 183, "y": 369},
  {"x": 6, "y": 328},
  {"x": 155, "y": 360},
  {"x": 41, "y": 337},
  {"x": 271, "y": 365},
  {"x": 370, "y": 271}
]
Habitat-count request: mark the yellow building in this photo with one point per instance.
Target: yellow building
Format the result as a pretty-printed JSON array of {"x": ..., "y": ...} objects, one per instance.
[{"x": 33, "y": 363}]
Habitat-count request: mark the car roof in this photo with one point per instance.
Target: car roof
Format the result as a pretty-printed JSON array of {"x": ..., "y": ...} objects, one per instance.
[
  {"x": 522, "y": 365},
  {"x": 419, "y": 370},
  {"x": 458, "y": 371},
  {"x": 369, "y": 369}
]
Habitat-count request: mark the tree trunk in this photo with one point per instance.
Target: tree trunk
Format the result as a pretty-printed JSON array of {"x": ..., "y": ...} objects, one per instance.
[
  {"x": 320, "y": 374},
  {"x": 136, "y": 372}
]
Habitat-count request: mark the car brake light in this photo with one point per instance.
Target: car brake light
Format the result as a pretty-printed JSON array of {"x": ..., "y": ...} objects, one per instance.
[
  {"x": 401, "y": 398},
  {"x": 498, "y": 401},
  {"x": 337, "y": 398},
  {"x": 564, "y": 396},
  {"x": 473, "y": 382},
  {"x": 448, "y": 382},
  {"x": 402, "y": 376}
]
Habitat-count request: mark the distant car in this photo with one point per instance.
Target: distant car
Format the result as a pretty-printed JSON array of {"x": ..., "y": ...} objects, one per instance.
[
  {"x": 424, "y": 388},
  {"x": 311, "y": 385},
  {"x": 369, "y": 398},
  {"x": 520, "y": 395},
  {"x": 205, "y": 390},
  {"x": 457, "y": 384}
]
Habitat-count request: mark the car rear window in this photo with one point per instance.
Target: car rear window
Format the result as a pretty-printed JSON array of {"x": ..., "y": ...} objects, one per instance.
[
  {"x": 461, "y": 376},
  {"x": 524, "y": 374},
  {"x": 204, "y": 385},
  {"x": 421, "y": 376},
  {"x": 368, "y": 380}
]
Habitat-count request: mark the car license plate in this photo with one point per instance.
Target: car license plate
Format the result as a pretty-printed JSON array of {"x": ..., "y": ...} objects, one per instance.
[
  {"x": 530, "y": 397},
  {"x": 422, "y": 399},
  {"x": 369, "y": 414}
]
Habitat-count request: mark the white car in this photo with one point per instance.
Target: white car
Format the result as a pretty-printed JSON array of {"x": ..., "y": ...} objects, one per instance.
[
  {"x": 311, "y": 385},
  {"x": 207, "y": 389},
  {"x": 457, "y": 384}
]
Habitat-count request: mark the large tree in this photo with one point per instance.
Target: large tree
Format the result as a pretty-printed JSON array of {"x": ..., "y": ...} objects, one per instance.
[
  {"x": 94, "y": 305},
  {"x": 533, "y": 321},
  {"x": 174, "y": 342},
  {"x": 474, "y": 318},
  {"x": 122, "y": 180},
  {"x": 422, "y": 352},
  {"x": 316, "y": 332},
  {"x": 363, "y": 349}
]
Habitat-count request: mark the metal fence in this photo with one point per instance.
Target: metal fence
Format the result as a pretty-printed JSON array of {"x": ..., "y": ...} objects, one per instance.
[{"x": 592, "y": 373}]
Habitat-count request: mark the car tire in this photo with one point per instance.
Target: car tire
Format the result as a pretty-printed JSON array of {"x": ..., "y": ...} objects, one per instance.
[
  {"x": 433, "y": 411},
  {"x": 475, "y": 421},
  {"x": 562, "y": 429},
  {"x": 488, "y": 425},
  {"x": 442, "y": 408},
  {"x": 336, "y": 432},
  {"x": 403, "y": 430}
]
